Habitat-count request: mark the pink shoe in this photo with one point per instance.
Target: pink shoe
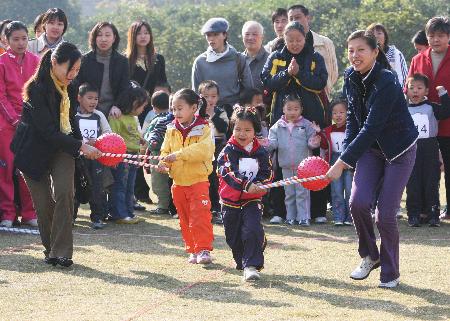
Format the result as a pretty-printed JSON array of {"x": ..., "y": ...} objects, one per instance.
[
  {"x": 192, "y": 258},
  {"x": 204, "y": 257}
]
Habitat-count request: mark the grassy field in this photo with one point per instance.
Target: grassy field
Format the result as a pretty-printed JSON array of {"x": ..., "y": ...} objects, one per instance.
[{"x": 140, "y": 273}]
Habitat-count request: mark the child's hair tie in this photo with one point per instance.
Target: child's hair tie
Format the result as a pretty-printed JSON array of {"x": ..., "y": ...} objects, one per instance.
[{"x": 252, "y": 110}]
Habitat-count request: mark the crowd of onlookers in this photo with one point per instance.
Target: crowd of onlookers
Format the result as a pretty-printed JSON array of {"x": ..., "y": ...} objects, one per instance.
[{"x": 288, "y": 82}]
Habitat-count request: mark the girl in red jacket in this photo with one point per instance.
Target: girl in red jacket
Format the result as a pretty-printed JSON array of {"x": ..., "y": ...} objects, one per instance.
[
  {"x": 242, "y": 165},
  {"x": 17, "y": 65},
  {"x": 332, "y": 141}
]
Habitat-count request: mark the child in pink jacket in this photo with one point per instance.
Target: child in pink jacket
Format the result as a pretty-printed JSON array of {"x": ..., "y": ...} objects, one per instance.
[{"x": 17, "y": 65}]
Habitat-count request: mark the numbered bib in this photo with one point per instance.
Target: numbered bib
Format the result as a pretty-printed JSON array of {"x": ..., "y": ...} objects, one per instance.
[
  {"x": 337, "y": 141},
  {"x": 248, "y": 167},
  {"x": 88, "y": 128},
  {"x": 422, "y": 125}
]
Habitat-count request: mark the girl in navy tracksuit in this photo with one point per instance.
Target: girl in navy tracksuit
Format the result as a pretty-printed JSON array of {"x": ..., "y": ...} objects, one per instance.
[{"x": 242, "y": 165}]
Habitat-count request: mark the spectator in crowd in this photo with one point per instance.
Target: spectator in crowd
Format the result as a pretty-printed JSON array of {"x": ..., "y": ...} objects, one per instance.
[
  {"x": 279, "y": 21},
  {"x": 17, "y": 65},
  {"x": 54, "y": 24},
  {"x": 332, "y": 143},
  {"x": 420, "y": 41},
  {"x": 38, "y": 26},
  {"x": 147, "y": 68},
  {"x": 221, "y": 63},
  {"x": 48, "y": 135},
  {"x": 422, "y": 191},
  {"x": 218, "y": 122},
  {"x": 395, "y": 56},
  {"x": 255, "y": 54},
  {"x": 297, "y": 70},
  {"x": 434, "y": 63},
  {"x": 159, "y": 181},
  {"x": 3, "y": 40},
  {"x": 321, "y": 44},
  {"x": 294, "y": 137},
  {"x": 131, "y": 102},
  {"x": 105, "y": 68}
]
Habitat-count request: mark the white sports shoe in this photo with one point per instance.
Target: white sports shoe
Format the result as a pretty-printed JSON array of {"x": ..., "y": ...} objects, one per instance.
[
  {"x": 364, "y": 269},
  {"x": 6, "y": 223},
  {"x": 276, "y": 220},
  {"x": 389, "y": 285},
  {"x": 251, "y": 274},
  {"x": 320, "y": 220},
  {"x": 33, "y": 222}
]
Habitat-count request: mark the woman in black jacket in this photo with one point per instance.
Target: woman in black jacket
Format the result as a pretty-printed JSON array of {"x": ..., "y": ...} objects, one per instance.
[
  {"x": 380, "y": 144},
  {"x": 297, "y": 70},
  {"x": 104, "y": 68},
  {"x": 45, "y": 144},
  {"x": 148, "y": 68}
]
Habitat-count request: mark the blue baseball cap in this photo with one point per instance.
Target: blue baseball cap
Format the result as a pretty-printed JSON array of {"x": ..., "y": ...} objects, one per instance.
[{"x": 215, "y": 25}]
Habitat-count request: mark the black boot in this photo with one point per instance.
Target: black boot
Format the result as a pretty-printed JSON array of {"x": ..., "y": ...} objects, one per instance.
[{"x": 434, "y": 220}]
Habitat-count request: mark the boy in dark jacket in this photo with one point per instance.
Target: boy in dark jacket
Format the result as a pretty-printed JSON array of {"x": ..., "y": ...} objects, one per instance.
[
  {"x": 154, "y": 136},
  {"x": 422, "y": 191}
]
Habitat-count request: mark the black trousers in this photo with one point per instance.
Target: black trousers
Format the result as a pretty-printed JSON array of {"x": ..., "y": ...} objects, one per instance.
[
  {"x": 244, "y": 234},
  {"x": 444, "y": 146},
  {"x": 141, "y": 188},
  {"x": 422, "y": 190},
  {"x": 277, "y": 196}
]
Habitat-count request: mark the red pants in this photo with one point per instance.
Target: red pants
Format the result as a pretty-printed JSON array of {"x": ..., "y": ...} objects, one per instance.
[
  {"x": 7, "y": 206},
  {"x": 194, "y": 210}
]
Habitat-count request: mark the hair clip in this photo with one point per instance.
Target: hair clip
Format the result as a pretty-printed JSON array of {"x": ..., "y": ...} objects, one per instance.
[{"x": 251, "y": 110}]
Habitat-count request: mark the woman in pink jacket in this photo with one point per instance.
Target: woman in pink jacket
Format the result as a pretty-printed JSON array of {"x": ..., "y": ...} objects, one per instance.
[{"x": 17, "y": 65}]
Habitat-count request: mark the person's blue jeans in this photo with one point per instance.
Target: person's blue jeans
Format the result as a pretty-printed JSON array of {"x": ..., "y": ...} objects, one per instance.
[
  {"x": 122, "y": 192},
  {"x": 340, "y": 193}
]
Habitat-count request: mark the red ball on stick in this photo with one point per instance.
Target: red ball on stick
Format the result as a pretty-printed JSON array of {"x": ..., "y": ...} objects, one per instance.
[
  {"x": 110, "y": 143},
  {"x": 313, "y": 166}
]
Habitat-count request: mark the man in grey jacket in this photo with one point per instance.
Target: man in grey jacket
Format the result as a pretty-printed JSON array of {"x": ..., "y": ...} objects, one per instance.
[{"x": 256, "y": 55}]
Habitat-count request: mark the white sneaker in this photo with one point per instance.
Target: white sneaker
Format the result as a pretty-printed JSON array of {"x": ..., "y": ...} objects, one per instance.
[
  {"x": 290, "y": 222},
  {"x": 276, "y": 220},
  {"x": 33, "y": 222},
  {"x": 6, "y": 223},
  {"x": 364, "y": 269},
  {"x": 320, "y": 220},
  {"x": 389, "y": 285},
  {"x": 251, "y": 274},
  {"x": 304, "y": 222}
]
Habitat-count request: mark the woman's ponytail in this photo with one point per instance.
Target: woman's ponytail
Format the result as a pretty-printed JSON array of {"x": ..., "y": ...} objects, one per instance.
[
  {"x": 192, "y": 98},
  {"x": 42, "y": 74},
  {"x": 382, "y": 59}
]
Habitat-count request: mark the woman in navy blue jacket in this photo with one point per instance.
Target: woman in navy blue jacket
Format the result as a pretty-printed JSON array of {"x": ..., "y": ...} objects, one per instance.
[{"x": 380, "y": 144}]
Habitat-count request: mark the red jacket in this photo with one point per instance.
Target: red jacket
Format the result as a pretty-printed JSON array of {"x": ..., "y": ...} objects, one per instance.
[
  {"x": 326, "y": 143},
  {"x": 235, "y": 181},
  {"x": 422, "y": 63},
  {"x": 13, "y": 77}
]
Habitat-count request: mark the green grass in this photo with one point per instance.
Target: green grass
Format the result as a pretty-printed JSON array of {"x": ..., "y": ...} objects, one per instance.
[{"x": 140, "y": 273}]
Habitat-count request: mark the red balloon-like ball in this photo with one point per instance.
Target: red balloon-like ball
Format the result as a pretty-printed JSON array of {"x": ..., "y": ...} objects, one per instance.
[
  {"x": 313, "y": 166},
  {"x": 110, "y": 143}
]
